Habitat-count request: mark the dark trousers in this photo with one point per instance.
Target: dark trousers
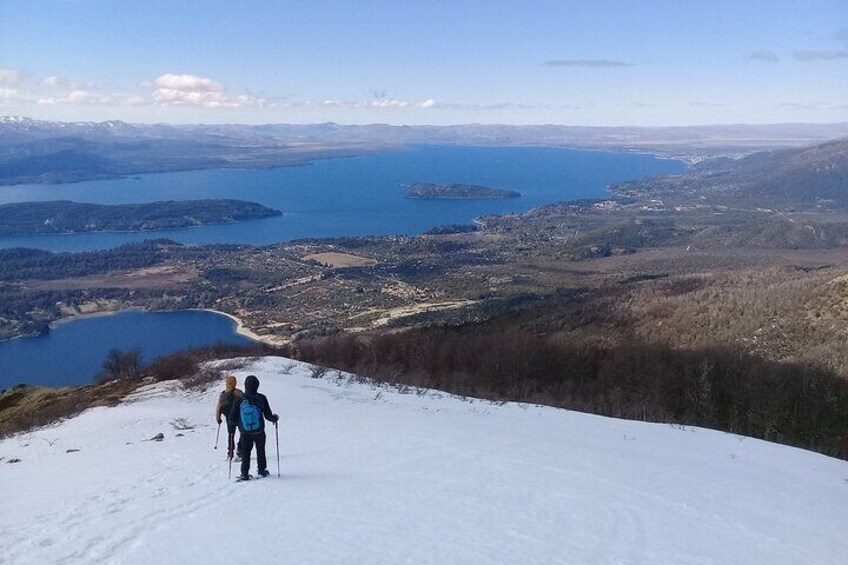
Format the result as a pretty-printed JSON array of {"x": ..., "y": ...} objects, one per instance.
[
  {"x": 231, "y": 438},
  {"x": 246, "y": 443}
]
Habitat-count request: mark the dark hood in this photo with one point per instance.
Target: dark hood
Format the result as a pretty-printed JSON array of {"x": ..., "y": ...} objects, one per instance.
[{"x": 251, "y": 385}]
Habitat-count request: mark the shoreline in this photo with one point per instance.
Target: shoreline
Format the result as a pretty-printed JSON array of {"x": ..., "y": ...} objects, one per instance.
[
  {"x": 241, "y": 328},
  {"x": 297, "y": 161},
  {"x": 70, "y": 318},
  {"x": 82, "y": 241},
  {"x": 101, "y": 314}
]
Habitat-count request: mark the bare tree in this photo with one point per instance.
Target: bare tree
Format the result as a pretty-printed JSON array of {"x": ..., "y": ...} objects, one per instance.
[{"x": 122, "y": 365}]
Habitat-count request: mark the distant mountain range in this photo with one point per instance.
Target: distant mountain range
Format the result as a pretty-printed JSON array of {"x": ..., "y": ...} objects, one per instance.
[{"x": 34, "y": 151}]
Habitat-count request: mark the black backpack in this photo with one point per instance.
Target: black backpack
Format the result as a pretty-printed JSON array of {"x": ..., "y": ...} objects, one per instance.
[{"x": 228, "y": 398}]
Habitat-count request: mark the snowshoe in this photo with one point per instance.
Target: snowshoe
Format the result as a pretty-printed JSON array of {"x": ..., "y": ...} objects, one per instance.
[
  {"x": 241, "y": 478},
  {"x": 264, "y": 473}
]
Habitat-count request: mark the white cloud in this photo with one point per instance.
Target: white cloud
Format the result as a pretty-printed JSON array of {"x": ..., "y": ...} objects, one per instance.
[
  {"x": 63, "y": 84},
  {"x": 136, "y": 101},
  {"x": 8, "y": 95},
  {"x": 82, "y": 97},
  {"x": 54, "y": 82},
  {"x": 499, "y": 106},
  {"x": 56, "y": 90},
  {"x": 9, "y": 77},
  {"x": 373, "y": 104},
  {"x": 387, "y": 103},
  {"x": 187, "y": 83},
  {"x": 191, "y": 90},
  {"x": 177, "y": 90}
]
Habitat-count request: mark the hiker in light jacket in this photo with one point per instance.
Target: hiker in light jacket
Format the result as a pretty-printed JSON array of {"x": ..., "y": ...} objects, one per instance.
[
  {"x": 250, "y": 411},
  {"x": 225, "y": 408}
]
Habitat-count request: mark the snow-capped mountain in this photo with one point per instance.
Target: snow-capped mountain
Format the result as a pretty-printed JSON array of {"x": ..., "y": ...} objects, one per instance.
[
  {"x": 371, "y": 475},
  {"x": 20, "y": 124}
]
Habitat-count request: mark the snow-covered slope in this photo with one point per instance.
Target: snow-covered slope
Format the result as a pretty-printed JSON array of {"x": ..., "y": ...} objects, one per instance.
[{"x": 371, "y": 475}]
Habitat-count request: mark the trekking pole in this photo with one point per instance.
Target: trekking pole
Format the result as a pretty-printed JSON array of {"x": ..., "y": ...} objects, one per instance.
[
  {"x": 218, "y": 433},
  {"x": 230, "y": 472},
  {"x": 277, "y": 434}
]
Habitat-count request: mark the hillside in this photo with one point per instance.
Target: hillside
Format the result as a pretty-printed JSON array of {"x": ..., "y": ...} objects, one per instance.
[
  {"x": 807, "y": 178},
  {"x": 374, "y": 475}
]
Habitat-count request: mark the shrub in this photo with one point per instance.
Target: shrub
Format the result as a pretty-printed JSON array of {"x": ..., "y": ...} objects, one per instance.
[{"x": 121, "y": 365}]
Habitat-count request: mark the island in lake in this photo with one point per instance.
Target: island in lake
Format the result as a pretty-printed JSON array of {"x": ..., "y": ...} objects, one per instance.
[
  {"x": 62, "y": 216},
  {"x": 431, "y": 190}
]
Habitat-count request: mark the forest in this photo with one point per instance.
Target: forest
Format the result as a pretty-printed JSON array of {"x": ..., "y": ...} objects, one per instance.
[{"x": 722, "y": 387}]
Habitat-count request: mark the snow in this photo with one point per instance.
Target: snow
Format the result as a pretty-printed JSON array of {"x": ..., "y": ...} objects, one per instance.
[{"x": 375, "y": 475}]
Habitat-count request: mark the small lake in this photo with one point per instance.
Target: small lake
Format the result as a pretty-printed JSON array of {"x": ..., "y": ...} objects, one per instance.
[
  {"x": 72, "y": 353},
  {"x": 351, "y": 196}
]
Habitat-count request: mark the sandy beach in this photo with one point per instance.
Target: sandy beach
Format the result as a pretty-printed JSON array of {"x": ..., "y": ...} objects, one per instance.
[
  {"x": 242, "y": 329},
  {"x": 100, "y": 314}
]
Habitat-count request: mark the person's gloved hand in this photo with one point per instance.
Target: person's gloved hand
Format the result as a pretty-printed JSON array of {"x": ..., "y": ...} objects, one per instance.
[
  {"x": 218, "y": 419},
  {"x": 274, "y": 418}
]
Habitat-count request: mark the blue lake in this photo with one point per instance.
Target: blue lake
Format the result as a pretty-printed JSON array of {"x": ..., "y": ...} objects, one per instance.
[
  {"x": 352, "y": 196},
  {"x": 72, "y": 353},
  {"x": 334, "y": 197}
]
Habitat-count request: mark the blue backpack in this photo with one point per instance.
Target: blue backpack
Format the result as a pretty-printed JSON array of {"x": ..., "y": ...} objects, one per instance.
[{"x": 250, "y": 415}]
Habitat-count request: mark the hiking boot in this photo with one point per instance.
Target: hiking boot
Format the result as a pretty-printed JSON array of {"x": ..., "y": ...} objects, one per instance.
[
  {"x": 264, "y": 472},
  {"x": 244, "y": 477}
]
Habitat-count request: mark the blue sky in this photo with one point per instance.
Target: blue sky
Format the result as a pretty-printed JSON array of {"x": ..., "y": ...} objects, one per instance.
[{"x": 600, "y": 62}]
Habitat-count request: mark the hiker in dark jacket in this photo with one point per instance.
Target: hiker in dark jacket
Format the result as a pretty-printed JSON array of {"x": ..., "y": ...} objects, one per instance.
[
  {"x": 249, "y": 410},
  {"x": 225, "y": 408}
]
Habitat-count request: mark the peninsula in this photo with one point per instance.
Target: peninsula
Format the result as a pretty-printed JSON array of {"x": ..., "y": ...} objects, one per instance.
[{"x": 62, "y": 216}]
